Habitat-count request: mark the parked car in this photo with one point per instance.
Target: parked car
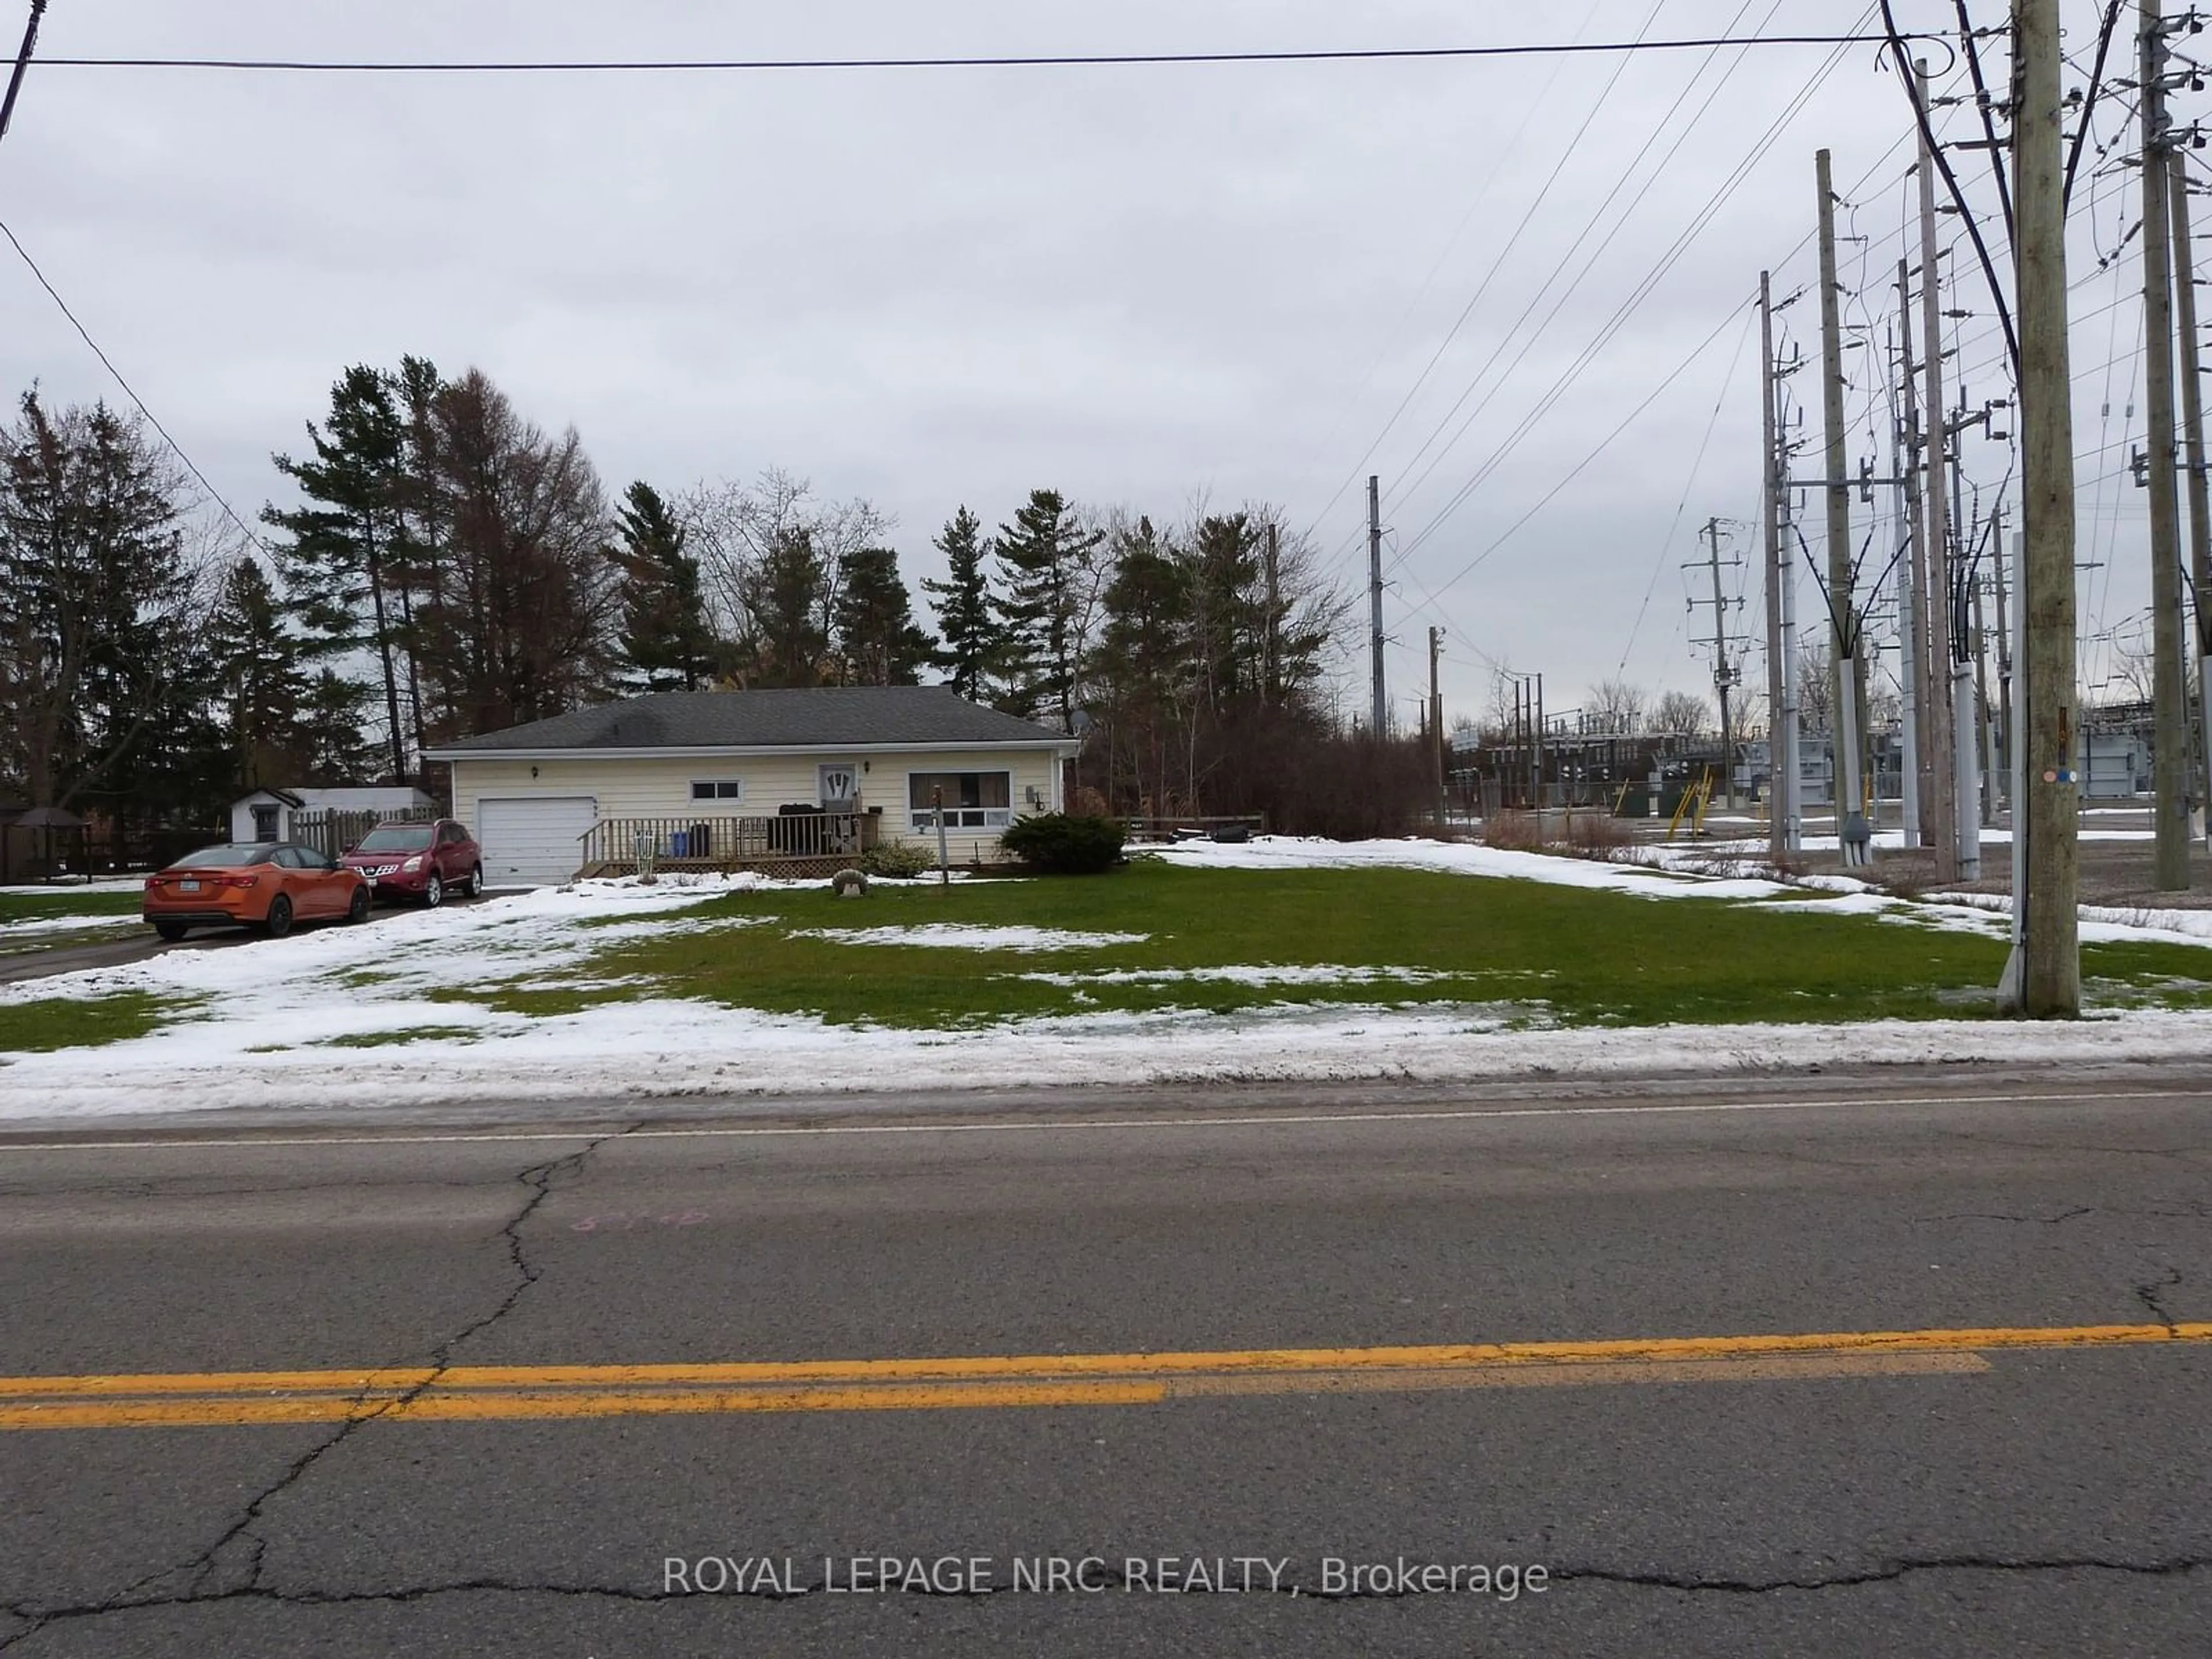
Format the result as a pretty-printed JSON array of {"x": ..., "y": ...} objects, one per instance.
[
  {"x": 262, "y": 884},
  {"x": 423, "y": 861}
]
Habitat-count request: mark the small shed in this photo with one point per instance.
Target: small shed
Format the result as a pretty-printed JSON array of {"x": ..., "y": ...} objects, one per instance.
[{"x": 270, "y": 814}]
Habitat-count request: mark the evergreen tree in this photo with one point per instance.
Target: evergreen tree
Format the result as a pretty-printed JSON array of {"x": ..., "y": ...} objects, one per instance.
[
  {"x": 253, "y": 663},
  {"x": 521, "y": 622},
  {"x": 1047, "y": 556},
  {"x": 784, "y": 597},
  {"x": 334, "y": 746},
  {"x": 339, "y": 569},
  {"x": 878, "y": 642},
  {"x": 967, "y": 611},
  {"x": 665, "y": 644},
  {"x": 1228, "y": 608},
  {"x": 96, "y": 606}
]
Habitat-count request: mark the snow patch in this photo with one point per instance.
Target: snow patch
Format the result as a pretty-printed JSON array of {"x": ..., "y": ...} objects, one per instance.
[{"x": 971, "y": 936}]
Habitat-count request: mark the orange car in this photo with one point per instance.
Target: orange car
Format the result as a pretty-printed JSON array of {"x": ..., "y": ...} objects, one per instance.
[{"x": 267, "y": 885}]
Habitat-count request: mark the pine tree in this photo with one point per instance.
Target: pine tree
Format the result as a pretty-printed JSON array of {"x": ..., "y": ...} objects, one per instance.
[
  {"x": 338, "y": 570},
  {"x": 253, "y": 663},
  {"x": 334, "y": 746},
  {"x": 878, "y": 642},
  {"x": 665, "y": 644},
  {"x": 784, "y": 595},
  {"x": 1047, "y": 556},
  {"x": 967, "y": 611},
  {"x": 96, "y": 606}
]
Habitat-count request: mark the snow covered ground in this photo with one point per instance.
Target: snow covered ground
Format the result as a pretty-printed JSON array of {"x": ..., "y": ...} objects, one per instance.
[{"x": 260, "y": 1036}]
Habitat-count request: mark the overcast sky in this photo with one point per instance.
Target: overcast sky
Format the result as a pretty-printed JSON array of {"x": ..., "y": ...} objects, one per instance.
[{"x": 1138, "y": 285}]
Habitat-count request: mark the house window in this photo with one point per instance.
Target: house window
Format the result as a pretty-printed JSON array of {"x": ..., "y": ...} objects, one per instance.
[
  {"x": 717, "y": 789},
  {"x": 973, "y": 800},
  {"x": 264, "y": 823}
]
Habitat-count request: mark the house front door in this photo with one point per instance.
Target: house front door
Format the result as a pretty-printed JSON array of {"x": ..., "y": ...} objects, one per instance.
[{"x": 840, "y": 781}]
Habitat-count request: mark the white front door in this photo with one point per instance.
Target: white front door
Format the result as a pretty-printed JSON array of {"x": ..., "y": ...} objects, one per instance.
[{"x": 840, "y": 781}]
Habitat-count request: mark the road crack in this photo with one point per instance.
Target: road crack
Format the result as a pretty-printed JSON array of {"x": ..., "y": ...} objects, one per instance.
[
  {"x": 2149, "y": 1294},
  {"x": 245, "y": 1578}
]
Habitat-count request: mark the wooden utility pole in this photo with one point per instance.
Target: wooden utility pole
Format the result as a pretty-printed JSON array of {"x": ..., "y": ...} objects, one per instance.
[
  {"x": 2048, "y": 980},
  {"x": 1435, "y": 721},
  {"x": 2192, "y": 427},
  {"x": 1380, "y": 710},
  {"x": 2169, "y": 695},
  {"x": 1985, "y": 726},
  {"x": 1953, "y": 832},
  {"x": 1848, "y": 679},
  {"x": 1774, "y": 482},
  {"x": 1724, "y": 674},
  {"x": 22, "y": 63},
  {"x": 1916, "y": 786},
  {"x": 2001, "y": 751}
]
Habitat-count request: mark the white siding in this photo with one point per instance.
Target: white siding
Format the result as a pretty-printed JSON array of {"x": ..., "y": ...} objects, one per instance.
[
  {"x": 532, "y": 840},
  {"x": 655, "y": 786}
]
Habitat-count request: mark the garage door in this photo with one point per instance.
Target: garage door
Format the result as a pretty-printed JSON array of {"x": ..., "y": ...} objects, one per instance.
[{"x": 534, "y": 842}]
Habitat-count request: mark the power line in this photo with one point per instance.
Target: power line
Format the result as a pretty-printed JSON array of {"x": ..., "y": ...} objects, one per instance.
[
  {"x": 1043, "y": 60},
  {"x": 130, "y": 392},
  {"x": 1564, "y": 153}
]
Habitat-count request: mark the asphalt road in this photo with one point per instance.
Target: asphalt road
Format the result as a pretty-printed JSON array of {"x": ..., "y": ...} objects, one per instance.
[{"x": 2023, "y": 1489}]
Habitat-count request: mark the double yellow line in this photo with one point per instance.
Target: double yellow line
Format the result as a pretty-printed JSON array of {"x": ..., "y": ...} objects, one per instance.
[{"x": 479, "y": 1392}]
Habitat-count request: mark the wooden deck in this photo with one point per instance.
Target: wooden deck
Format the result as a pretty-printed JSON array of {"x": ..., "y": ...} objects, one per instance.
[{"x": 804, "y": 845}]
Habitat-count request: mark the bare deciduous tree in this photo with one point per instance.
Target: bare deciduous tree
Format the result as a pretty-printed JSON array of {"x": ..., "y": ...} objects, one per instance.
[
  {"x": 750, "y": 539},
  {"x": 1682, "y": 714},
  {"x": 1616, "y": 706}
]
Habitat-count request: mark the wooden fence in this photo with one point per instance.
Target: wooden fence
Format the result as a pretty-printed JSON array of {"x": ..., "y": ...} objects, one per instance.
[{"x": 334, "y": 831}]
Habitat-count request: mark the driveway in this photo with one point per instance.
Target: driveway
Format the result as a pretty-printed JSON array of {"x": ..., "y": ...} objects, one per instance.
[{"x": 118, "y": 953}]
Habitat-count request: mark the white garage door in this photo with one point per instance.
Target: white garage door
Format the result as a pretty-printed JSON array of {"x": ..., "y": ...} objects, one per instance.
[{"x": 534, "y": 842}]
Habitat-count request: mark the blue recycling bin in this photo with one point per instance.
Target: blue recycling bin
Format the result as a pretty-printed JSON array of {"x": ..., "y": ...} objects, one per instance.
[{"x": 677, "y": 842}]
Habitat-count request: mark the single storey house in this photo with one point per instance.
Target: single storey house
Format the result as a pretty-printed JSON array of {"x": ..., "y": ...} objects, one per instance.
[
  {"x": 268, "y": 814},
  {"x": 809, "y": 776}
]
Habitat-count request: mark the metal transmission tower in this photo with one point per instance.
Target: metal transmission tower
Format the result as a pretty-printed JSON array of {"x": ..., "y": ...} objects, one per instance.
[
  {"x": 2169, "y": 694},
  {"x": 1728, "y": 651}
]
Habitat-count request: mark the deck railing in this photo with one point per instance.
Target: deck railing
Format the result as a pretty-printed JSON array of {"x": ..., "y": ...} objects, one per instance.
[{"x": 699, "y": 840}]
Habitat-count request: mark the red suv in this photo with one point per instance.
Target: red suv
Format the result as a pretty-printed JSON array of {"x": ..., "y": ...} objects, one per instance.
[{"x": 423, "y": 861}]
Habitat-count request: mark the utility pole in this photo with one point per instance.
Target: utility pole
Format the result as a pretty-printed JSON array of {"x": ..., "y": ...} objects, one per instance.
[
  {"x": 1437, "y": 719},
  {"x": 22, "y": 65},
  {"x": 1773, "y": 479},
  {"x": 1540, "y": 742},
  {"x": 2193, "y": 426},
  {"x": 2002, "y": 749},
  {"x": 1985, "y": 730},
  {"x": 1958, "y": 839},
  {"x": 1966, "y": 780},
  {"x": 1848, "y": 680},
  {"x": 2047, "y": 928},
  {"x": 2169, "y": 697},
  {"x": 1381, "y": 712},
  {"x": 1724, "y": 674},
  {"x": 1914, "y": 786}
]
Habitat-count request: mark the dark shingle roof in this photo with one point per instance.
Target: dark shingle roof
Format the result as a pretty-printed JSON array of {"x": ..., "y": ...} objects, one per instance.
[{"x": 806, "y": 717}]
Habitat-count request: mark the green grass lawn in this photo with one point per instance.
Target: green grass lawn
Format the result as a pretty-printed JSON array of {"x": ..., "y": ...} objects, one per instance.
[
  {"x": 69, "y": 901},
  {"x": 50, "y": 1022},
  {"x": 1541, "y": 953}
]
